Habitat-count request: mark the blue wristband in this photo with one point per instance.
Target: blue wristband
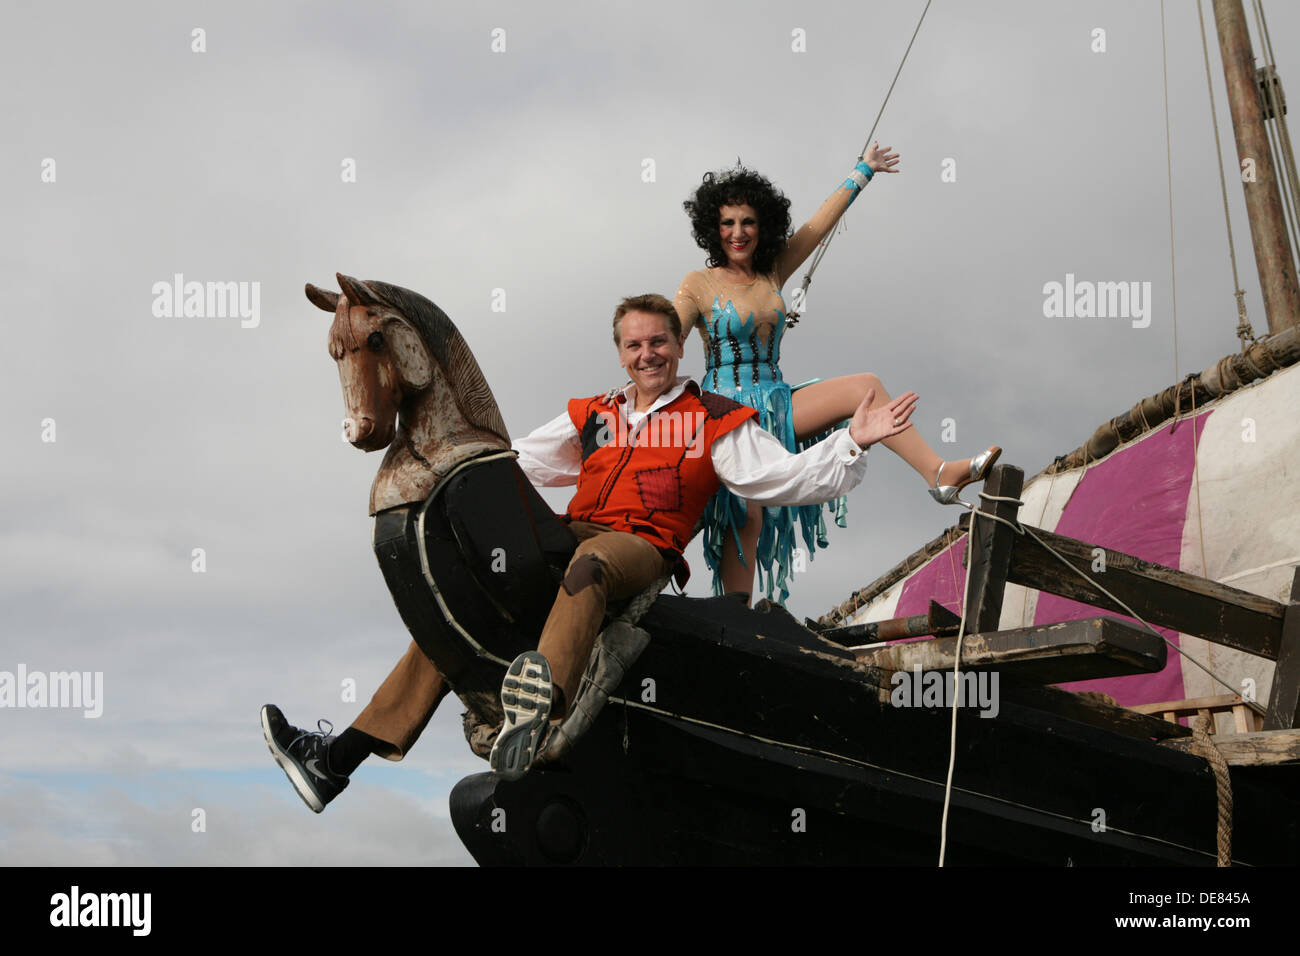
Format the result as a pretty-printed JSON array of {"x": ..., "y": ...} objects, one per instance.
[{"x": 860, "y": 176}]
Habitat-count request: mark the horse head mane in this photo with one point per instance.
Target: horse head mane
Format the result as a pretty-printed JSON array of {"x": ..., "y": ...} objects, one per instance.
[{"x": 447, "y": 346}]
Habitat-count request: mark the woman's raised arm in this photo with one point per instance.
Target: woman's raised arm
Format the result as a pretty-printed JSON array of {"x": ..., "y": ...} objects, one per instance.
[{"x": 801, "y": 245}]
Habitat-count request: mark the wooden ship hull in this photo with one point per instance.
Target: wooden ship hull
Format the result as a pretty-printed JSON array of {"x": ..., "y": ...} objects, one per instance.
[
  {"x": 743, "y": 736},
  {"x": 777, "y": 753}
]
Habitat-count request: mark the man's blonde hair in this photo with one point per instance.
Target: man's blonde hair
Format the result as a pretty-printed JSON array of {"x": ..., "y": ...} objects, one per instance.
[{"x": 652, "y": 303}]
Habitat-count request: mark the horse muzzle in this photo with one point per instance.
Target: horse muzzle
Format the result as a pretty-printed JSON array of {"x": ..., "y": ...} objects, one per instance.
[{"x": 362, "y": 433}]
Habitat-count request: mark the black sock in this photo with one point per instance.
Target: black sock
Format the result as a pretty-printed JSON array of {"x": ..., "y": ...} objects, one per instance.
[{"x": 348, "y": 749}]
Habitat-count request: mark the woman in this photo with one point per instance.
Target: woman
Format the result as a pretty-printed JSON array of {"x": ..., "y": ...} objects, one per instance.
[{"x": 743, "y": 222}]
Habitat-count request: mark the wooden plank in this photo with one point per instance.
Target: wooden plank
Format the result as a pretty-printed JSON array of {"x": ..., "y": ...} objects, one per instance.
[
  {"x": 1241, "y": 722},
  {"x": 1266, "y": 748},
  {"x": 1162, "y": 596},
  {"x": 1070, "y": 650},
  {"x": 1284, "y": 698},
  {"x": 989, "y": 550},
  {"x": 1191, "y": 703},
  {"x": 1086, "y": 711}
]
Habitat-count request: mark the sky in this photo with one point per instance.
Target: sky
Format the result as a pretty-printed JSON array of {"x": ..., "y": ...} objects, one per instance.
[{"x": 535, "y": 155}]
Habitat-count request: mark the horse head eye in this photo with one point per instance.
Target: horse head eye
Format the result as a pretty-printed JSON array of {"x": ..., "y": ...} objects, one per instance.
[{"x": 375, "y": 341}]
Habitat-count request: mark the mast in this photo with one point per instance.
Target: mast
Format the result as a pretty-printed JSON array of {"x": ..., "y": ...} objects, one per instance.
[{"x": 1277, "y": 274}]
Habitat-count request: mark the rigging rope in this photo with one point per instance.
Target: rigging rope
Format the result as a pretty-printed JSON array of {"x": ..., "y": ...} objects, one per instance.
[
  {"x": 802, "y": 295},
  {"x": 1278, "y": 134},
  {"x": 956, "y": 669},
  {"x": 1022, "y": 529},
  {"x": 1204, "y": 746},
  {"x": 1169, "y": 177},
  {"x": 1173, "y": 276}
]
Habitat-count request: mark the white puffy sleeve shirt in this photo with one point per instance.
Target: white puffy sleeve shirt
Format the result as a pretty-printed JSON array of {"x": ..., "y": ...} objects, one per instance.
[{"x": 749, "y": 460}]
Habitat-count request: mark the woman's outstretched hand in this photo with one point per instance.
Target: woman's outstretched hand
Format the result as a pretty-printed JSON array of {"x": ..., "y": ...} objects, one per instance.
[
  {"x": 880, "y": 160},
  {"x": 870, "y": 425}
]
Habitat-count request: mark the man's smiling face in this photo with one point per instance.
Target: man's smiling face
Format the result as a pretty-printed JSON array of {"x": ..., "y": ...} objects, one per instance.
[{"x": 649, "y": 352}]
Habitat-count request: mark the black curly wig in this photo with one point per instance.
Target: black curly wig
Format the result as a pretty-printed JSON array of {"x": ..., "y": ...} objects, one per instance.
[{"x": 736, "y": 187}]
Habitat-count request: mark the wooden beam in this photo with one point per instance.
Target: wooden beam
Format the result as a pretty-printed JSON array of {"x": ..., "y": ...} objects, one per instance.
[
  {"x": 1284, "y": 698},
  {"x": 1162, "y": 596},
  {"x": 1068, "y": 651},
  {"x": 989, "y": 550},
  {"x": 1220, "y": 701},
  {"x": 1095, "y": 713},
  {"x": 1264, "y": 749}
]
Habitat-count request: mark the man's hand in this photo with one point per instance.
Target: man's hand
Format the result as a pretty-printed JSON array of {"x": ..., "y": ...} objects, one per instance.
[{"x": 870, "y": 425}]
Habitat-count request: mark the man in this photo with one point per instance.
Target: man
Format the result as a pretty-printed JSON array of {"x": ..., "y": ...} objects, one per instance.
[{"x": 645, "y": 464}]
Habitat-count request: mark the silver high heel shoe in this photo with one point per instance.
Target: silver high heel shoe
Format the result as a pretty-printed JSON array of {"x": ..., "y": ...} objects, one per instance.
[{"x": 979, "y": 470}]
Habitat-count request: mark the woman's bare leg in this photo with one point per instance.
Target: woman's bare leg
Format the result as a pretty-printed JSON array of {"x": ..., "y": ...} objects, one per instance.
[
  {"x": 735, "y": 576},
  {"x": 818, "y": 407}
]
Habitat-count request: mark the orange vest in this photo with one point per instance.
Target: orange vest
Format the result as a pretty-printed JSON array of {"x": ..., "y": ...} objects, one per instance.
[{"x": 653, "y": 481}]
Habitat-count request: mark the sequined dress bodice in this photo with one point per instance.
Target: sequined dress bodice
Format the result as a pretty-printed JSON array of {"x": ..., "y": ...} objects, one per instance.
[
  {"x": 741, "y": 353},
  {"x": 738, "y": 354}
]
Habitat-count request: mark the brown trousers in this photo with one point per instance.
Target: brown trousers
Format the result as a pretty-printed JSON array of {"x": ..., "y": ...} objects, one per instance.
[{"x": 608, "y": 565}]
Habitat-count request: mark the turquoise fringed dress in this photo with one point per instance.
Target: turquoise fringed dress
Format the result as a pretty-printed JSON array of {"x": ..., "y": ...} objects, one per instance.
[{"x": 745, "y": 369}]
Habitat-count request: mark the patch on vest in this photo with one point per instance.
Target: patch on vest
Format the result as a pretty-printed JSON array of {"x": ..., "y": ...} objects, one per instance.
[
  {"x": 660, "y": 488},
  {"x": 718, "y": 406}
]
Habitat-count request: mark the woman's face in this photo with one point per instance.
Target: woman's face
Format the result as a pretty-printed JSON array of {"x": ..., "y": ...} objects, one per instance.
[{"x": 738, "y": 226}]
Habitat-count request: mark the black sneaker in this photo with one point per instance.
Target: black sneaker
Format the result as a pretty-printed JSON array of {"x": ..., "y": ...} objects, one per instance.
[
  {"x": 526, "y": 696},
  {"x": 303, "y": 756}
]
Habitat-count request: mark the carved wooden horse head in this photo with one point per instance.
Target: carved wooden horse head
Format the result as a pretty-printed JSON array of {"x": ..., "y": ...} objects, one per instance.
[{"x": 410, "y": 384}]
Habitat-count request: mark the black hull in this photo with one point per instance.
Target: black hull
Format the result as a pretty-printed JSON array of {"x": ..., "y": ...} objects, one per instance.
[
  {"x": 735, "y": 726},
  {"x": 717, "y": 786}
]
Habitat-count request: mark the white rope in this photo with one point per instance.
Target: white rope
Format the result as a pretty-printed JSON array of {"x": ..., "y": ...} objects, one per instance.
[
  {"x": 1021, "y": 529},
  {"x": 961, "y": 630},
  {"x": 825, "y": 243},
  {"x": 956, "y": 666},
  {"x": 1169, "y": 177}
]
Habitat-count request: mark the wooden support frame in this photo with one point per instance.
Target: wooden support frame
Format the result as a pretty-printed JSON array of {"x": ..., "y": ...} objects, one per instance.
[
  {"x": 991, "y": 545},
  {"x": 1246, "y": 716},
  {"x": 1111, "y": 717},
  {"x": 1046, "y": 654},
  {"x": 1270, "y": 748},
  {"x": 997, "y": 555},
  {"x": 1283, "y": 710},
  {"x": 1162, "y": 596}
]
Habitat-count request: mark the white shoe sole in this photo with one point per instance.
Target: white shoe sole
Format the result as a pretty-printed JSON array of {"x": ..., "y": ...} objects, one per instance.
[
  {"x": 526, "y": 695},
  {"x": 291, "y": 769}
]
